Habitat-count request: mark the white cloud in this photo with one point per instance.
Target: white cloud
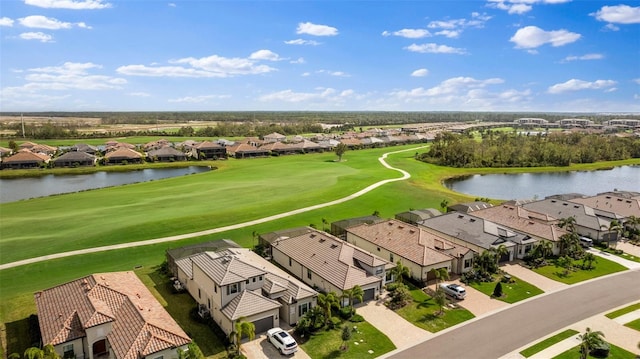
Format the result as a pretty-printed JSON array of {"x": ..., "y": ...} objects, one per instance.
[
  {"x": 139, "y": 94},
  {"x": 334, "y": 73},
  {"x": 5, "y": 21},
  {"x": 69, "y": 4},
  {"x": 316, "y": 30},
  {"x": 198, "y": 99},
  {"x": 302, "y": 42},
  {"x": 452, "y": 34},
  {"x": 619, "y": 14},
  {"x": 584, "y": 57},
  {"x": 409, "y": 33},
  {"x": 637, "y": 81},
  {"x": 43, "y": 22},
  {"x": 577, "y": 85},
  {"x": 611, "y": 27},
  {"x": 432, "y": 48},
  {"x": 211, "y": 66},
  {"x": 520, "y": 6},
  {"x": 265, "y": 55},
  {"x": 532, "y": 36},
  {"x": 420, "y": 73},
  {"x": 171, "y": 4},
  {"x": 322, "y": 95},
  {"x": 299, "y": 60},
  {"x": 40, "y": 36}
]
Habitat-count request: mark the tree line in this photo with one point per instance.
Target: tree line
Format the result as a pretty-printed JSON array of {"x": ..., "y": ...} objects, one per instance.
[{"x": 506, "y": 149}]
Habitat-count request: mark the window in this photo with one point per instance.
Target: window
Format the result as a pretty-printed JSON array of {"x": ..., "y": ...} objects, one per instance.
[
  {"x": 379, "y": 271},
  {"x": 215, "y": 288},
  {"x": 289, "y": 261},
  {"x": 378, "y": 249},
  {"x": 308, "y": 273},
  {"x": 468, "y": 263},
  {"x": 391, "y": 257},
  {"x": 254, "y": 279},
  {"x": 208, "y": 303},
  {"x": 388, "y": 276},
  {"x": 260, "y": 278},
  {"x": 303, "y": 309},
  {"x": 247, "y": 281},
  {"x": 68, "y": 351},
  {"x": 233, "y": 288},
  {"x": 199, "y": 294}
]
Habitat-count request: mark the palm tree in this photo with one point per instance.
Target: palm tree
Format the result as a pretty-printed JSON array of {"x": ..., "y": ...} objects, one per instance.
[
  {"x": 588, "y": 260},
  {"x": 47, "y": 352},
  {"x": 324, "y": 224},
  {"x": 241, "y": 328},
  {"x": 441, "y": 274},
  {"x": 500, "y": 251},
  {"x": 441, "y": 299},
  {"x": 354, "y": 293},
  {"x": 589, "y": 340},
  {"x": 544, "y": 249},
  {"x": 570, "y": 244},
  {"x": 616, "y": 227},
  {"x": 569, "y": 224},
  {"x": 326, "y": 301},
  {"x": 444, "y": 205},
  {"x": 400, "y": 271}
]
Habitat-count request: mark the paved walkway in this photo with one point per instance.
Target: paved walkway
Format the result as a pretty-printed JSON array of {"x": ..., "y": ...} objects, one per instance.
[
  {"x": 547, "y": 285},
  {"x": 402, "y": 333},
  {"x": 614, "y": 258},
  {"x": 405, "y": 175}
]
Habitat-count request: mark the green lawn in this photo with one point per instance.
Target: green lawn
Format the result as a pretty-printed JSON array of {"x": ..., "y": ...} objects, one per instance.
[
  {"x": 540, "y": 346},
  {"x": 634, "y": 324},
  {"x": 512, "y": 292},
  {"x": 601, "y": 267},
  {"x": 612, "y": 251},
  {"x": 422, "y": 312},
  {"x": 623, "y": 311},
  {"x": 327, "y": 344},
  {"x": 615, "y": 353}
]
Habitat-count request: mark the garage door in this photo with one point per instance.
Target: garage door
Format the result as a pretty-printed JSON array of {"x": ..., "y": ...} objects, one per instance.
[
  {"x": 264, "y": 324},
  {"x": 369, "y": 294}
]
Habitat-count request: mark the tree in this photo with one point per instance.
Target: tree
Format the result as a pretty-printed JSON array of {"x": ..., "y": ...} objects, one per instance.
[
  {"x": 570, "y": 245},
  {"x": 193, "y": 352},
  {"x": 47, "y": 352},
  {"x": 400, "y": 297},
  {"x": 242, "y": 328},
  {"x": 441, "y": 274},
  {"x": 566, "y": 263},
  {"x": 588, "y": 259},
  {"x": 400, "y": 271},
  {"x": 326, "y": 302},
  {"x": 616, "y": 227},
  {"x": 444, "y": 205},
  {"x": 324, "y": 224},
  {"x": 544, "y": 249},
  {"x": 569, "y": 224},
  {"x": 441, "y": 299},
  {"x": 340, "y": 149},
  {"x": 497, "y": 291},
  {"x": 346, "y": 336},
  {"x": 588, "y": 341},
  {"x": 354, "y": 293},
  {"x": 500, "y": 251}
]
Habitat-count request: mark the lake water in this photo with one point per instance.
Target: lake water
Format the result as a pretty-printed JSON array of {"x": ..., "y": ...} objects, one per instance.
[
  {"x": 15, "y": 189},
  {"x": 541, "y": 185}
]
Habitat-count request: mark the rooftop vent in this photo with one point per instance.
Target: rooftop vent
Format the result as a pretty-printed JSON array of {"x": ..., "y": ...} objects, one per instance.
[{"x": 334, "y": 246}]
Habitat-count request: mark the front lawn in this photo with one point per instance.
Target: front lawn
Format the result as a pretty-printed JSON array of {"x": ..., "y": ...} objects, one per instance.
[
  {"x": 326, "y": 344},
  {"x": 634, "y": 324},
  {"x": 540, "y": 346},
  {"x": 615, "y": 353},
  {"x": 514, "y": 291},
  {"x": 615, "y": 252},
  {"x": 600, "y": 268},
  {"x": 422, "y": 312},
  {"x": 623, "y": 311}
]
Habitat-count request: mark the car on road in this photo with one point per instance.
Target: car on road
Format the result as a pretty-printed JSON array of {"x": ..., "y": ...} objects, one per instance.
[
  {"x": 282, "y": 340},
  {"x": 454, "y": 290}
]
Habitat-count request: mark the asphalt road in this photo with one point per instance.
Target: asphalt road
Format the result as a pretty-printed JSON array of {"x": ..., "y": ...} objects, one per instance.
[{"x": 505, "y": 331}]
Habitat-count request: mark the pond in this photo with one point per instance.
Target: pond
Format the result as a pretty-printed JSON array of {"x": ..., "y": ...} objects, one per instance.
[
  {"x": 15, "y": 189},
  {"x": 541, "y": 185}
]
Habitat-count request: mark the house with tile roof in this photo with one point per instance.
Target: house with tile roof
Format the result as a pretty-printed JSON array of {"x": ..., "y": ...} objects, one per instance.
[
  {"x": 236, "y": 283},
  {"x": 474, "y": 232},
  {"x": 122, "y": 155},
  {"x": 625, "y": 204},
  {"x": 330, "y": 264},
  {"x": 75, "y": 159},
  {"x": 107, "y": 315},
  {"x": 210, "y": 150},
  {"x": 25, "y": 159},
  {"x": 245, "y": 150},
  {"x": 525, "y": 221},
  {"x": 166, "y": 154},
  {"x": 416, "y": 215},
  {"x": 274, "y": 137},
  {"x": 415, "y": 248}
]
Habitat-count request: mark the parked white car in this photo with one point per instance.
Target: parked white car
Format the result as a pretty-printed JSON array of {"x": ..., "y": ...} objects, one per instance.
[
  {"x": 282, "y": 340},
  {"x": 454, "y": 290}
]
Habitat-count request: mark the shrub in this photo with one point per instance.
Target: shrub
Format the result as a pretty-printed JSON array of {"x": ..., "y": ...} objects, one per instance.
[
  {"x": 497, "y": 291},
  {"x": 391, "y": 287},
  {"x": 346, "y": 312},
  {"x": 600, "y": 350},
  {"x": 334, "y": 323},
  {"x": 357, "y": 318}
]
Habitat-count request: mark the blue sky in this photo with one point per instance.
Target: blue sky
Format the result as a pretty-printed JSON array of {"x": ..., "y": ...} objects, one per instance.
[{"x": 448, "y": 55}]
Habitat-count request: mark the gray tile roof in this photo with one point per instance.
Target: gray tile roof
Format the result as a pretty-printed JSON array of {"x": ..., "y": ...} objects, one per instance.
[
  {"x": 585, "y": 216},
  {"x": 248, "y": 303},
  {"x": 330, "y": 258},
  {"x": 522, "y": 220},
  {"x": 224, "y": 269}
]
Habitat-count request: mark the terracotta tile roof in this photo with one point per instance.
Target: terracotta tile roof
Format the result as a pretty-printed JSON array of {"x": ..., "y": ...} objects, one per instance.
[
  {"x": 207, "y": 145},
  {"x": 245, "y": 148},
  {"x": 522, "y": 220},
  {"x": 248, "y": 303},
  {"x": 139, "y": 322},
  {"x": 407, "y": 241},
  {"x": 329, "y": 257},
  {"x": 123, "y": 152},
  {"x": 26, "y": 156}
]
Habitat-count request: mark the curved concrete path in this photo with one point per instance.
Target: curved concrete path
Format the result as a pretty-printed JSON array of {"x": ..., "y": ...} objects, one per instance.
[{"x": 405, "y": 175}]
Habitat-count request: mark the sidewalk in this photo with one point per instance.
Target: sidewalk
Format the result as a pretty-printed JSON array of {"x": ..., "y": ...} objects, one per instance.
[
  {"x": 613, "y": 329},
  {"x": 547, "y": 285},
  {"x": 614, "y": 258}
]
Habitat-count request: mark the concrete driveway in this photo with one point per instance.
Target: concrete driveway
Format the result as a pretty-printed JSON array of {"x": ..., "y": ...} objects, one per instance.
[{"x": 261, "y": 348}]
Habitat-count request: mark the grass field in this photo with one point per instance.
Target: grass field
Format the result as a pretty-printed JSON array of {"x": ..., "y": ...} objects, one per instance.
[
  {"x": 512, "y": 292},
  {"x": 602, "y": 267},
  {"x": 544, "y": 344},
  {"x": 623, "y": 311},
  {"x": 615, "y": 353},
  {"x": 239, "y": 191}
]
